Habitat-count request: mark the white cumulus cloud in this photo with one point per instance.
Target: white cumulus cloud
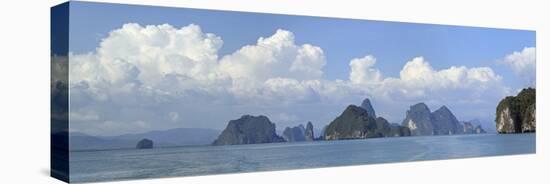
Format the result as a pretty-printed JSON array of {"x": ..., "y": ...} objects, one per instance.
[
  {"x": 139, "y": 68},
  {"x": 147, "y": 77},
  {"x": 363, "y": 71},
  {"x": 418, "y": 81},
  {"x": 137, "y": 54},
  {"x": 524, "y": 64},
  {"x": 274, "y": 56},
  {"x": 419, "y": 73}
]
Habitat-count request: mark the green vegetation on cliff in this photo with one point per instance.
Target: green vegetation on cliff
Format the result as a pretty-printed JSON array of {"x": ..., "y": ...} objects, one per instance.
[
  {"x": 516, "y": 114},
  {"x": 356, "y": 123},
  {"x": 248, "y": 130}
]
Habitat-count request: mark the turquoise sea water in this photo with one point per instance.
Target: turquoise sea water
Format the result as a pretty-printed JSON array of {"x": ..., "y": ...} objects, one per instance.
[{"x": 202, "y": 160}]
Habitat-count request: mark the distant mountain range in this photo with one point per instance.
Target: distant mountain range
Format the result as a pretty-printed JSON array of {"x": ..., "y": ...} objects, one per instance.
[{"x": 161, "y": 138}]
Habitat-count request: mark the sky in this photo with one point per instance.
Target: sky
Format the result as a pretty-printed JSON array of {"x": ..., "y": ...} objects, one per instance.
[{"x": 141, "y": 68}]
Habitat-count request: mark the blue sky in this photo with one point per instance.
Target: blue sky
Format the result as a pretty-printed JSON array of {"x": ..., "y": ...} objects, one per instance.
[{"x": 392, "y": 43}]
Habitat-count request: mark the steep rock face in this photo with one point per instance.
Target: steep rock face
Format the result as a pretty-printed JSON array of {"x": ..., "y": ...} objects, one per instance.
[
  {"x": 472, "y": 127},
  {"x": 309, "y": 135},
  {"x": 529, "y": 115},
  {"x": 144, "y": 144},
  {"x": 479, "y": 130},
  {"x": 368, "y": 107},
  {"x": 468, "y": 128},
  {"x": 488, "y": 126},
  {"x": 517, "y": 114},
  {"x": 355, "y": 123},
  {"x": 418, "y": 120},
  {"x": 294, "y": 134},
  {"x": 445, "y": 123},
  {"x": 506, "y": 122},
  {"x": 529, "y": 122},
  {"x": 385, "y": 129},
  {"x": 248, "y": 130},
  {"x": 399, "y": 131},
  {"x": 421, "y": 121},
  {"x": 322, "y": 133}
]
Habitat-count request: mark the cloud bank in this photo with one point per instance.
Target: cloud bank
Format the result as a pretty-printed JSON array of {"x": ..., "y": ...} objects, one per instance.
[
  {"x": 159, "y": 77},
  {"x": 524, "y": 64}
]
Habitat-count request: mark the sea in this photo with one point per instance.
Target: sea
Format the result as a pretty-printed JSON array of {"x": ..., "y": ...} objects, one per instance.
[{"x": 108, "y": 165}]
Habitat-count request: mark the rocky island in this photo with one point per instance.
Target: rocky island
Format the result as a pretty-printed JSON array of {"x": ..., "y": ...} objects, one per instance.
[
  {"x": 421, "y": 121},
  {"x": 248, "y": 130},
  {"x": 517, "y": 114},
  {"x": 356, "y": 123},
  {"x": 467, "y": 127},
  {"x": 295, "y": 134},
  {"x": 368, "y": 107},
  {"x": 144, "y": 144},
  {"x": 309, "y": 134},
  {"x": 479, "y": 130},
  {"x": 299, "y": 133}
]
